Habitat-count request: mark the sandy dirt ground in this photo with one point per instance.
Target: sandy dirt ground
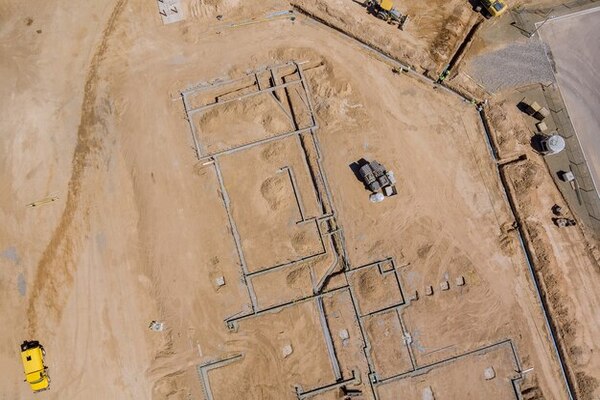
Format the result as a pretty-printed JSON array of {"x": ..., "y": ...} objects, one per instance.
[
  {"x": 568, "y": 260},
  {"x": 441, "y": 382},
  {"x": 139, "y": 229},
  {"x": 576, "y": 65}
]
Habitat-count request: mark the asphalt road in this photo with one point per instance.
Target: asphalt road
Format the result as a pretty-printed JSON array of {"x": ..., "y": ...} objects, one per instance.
[{"x": 574, "y": 41}]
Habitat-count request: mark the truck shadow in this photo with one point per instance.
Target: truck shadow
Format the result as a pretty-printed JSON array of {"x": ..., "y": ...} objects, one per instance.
[{"x": 355, "y": 167}]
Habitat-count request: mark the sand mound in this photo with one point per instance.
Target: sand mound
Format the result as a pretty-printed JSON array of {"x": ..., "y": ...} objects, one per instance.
[
  {"x": 273, "y": 190},
  {"x": 301, "y": 242}
]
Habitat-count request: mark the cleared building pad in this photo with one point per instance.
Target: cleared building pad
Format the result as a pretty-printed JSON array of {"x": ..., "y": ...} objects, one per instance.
[
  {"x": 464, "y": 377},
  {"x": 170, "y": 11},
  {"x": 389, "y": 351},
  {"x": 264, "y": 204},
  {"x": 374, "y": 288}
]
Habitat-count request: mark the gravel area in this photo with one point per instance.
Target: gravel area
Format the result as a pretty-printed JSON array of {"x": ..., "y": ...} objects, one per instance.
[{"x": 515, "y": 65}]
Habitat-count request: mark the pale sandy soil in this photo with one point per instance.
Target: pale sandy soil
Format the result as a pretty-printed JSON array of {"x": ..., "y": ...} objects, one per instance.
[
  {"x": 139, "y": 231},
  {"x": 469, "y": 371}
]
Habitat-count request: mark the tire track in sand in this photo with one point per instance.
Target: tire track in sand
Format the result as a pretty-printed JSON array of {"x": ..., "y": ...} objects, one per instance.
[{"x": 55, "y": 269}]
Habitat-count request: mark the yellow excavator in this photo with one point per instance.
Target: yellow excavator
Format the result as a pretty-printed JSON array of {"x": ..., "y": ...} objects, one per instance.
[
  {"x": 385, "y": 10},
  {"x": 495, "y": 8}
]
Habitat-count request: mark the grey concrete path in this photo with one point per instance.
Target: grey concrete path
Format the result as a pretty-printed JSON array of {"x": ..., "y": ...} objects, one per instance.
[{"x": 574, "y": 41}]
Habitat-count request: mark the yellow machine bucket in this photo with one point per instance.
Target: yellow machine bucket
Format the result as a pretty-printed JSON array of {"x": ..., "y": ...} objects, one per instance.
[{"x": 387, "y": 5}]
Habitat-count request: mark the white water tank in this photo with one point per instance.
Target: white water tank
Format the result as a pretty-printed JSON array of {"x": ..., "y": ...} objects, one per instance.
[
  {"x": 376, "y": 197},
  {"x": 553, "y": 144}
]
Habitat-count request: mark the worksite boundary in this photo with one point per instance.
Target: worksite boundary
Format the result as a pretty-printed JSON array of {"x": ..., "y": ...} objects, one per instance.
[
  {"x": 335, "y": 234},
  {"x": 494, "y": 153}
]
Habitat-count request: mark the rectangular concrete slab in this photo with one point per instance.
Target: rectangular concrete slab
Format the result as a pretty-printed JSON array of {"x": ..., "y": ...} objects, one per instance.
[{"x": 571, "y": 39}]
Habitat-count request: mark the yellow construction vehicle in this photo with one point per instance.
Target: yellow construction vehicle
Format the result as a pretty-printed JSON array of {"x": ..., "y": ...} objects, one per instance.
[
  {"x": 32, "y": 355},
  {"x": 495, "y": 8},
  {"x": 385, "y": 10}
]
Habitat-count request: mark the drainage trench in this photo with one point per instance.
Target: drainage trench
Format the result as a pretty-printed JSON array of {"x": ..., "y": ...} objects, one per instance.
[{"x": 463, "y": 47}]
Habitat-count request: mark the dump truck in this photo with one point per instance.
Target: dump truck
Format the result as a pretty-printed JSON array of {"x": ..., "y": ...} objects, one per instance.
[
  {"x": 36, "y": 373},
  {"x": 385, "y": 10},
  {"x": 495, "y": 8},
  {"x": 378, "y": 180}
]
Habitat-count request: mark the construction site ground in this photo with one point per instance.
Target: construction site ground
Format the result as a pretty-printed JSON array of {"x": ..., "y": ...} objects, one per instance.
[{"x": 200, "y": 174}]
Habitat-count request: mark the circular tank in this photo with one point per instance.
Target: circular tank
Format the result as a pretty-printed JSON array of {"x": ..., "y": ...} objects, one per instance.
[{"x": 554, "y": 144}]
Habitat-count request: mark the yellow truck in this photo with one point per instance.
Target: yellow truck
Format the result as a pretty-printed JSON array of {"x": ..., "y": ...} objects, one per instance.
[{"x": 32, "y": 355}]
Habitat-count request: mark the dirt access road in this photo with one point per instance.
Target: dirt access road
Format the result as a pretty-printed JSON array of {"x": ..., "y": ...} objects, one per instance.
[{"x": 140, "y": 231}]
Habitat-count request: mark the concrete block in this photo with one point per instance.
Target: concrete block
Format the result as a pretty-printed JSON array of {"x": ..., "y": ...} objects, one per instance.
[
  {"x": 428, "y": 394},
  {"x": 489, "y": 373},
  {"x": 170, "y": 11},
  {"x": 344, "y": 334},
  {"x": 428, "y": 290},
  {"x": 534, "y": 107},
  {"x": 460, "y": 281},
  {"x": 287, "y": 350},
  {"x": 542, "y": 113},
  {"x": 541, "y": 126},
  {"x": 220, "y": 281},
  {"x": 567, "y": 176},
  {"x": 157, "y": 326},
  {"x": 444, "y": 285}
]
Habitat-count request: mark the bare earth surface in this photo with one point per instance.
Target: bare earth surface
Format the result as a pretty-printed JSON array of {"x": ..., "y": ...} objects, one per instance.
[
  {"x": 432, "y": 279},
  {"x": 577, "y": 65}
]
